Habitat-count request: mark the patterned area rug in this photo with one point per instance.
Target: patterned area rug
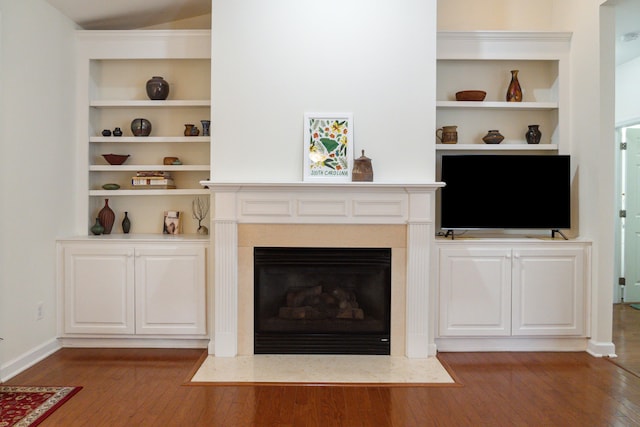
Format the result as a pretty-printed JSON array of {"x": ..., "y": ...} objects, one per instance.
[{"x": 22, "y": 406}]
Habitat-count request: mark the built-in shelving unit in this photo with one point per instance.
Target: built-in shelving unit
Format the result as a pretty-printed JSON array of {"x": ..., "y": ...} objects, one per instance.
[
  {"x": 145, "y": 288},
  {"x": 483, "y": 60},
  {"x": 113, "y": 68}
]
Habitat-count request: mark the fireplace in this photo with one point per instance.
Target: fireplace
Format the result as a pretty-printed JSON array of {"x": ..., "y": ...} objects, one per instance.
[
  {"x": 249, "y": 215},
  {"x": 322, "y": 300}
]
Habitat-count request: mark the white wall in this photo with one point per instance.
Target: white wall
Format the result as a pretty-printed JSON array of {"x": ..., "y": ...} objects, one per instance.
[
  {"x": 628, "y": 92},
  {"x": 513, "y": 15},
  {"x": 36, "y": 169},
  {"x": 276, "y": 60}
]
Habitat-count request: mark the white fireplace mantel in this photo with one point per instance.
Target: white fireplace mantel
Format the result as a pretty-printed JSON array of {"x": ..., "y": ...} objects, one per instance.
[{"x": 236, "y": 203}]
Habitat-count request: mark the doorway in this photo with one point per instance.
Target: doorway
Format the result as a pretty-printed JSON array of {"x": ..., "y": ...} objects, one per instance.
[
  {"x": 628, "y": 290},
  {"x": 626, "y": 308}
]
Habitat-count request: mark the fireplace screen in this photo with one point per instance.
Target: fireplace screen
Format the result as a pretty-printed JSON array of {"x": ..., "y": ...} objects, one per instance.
[{"x": 322, "y": 300}]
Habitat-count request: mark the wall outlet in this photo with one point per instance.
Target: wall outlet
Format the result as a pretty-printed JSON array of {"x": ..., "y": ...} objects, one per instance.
[{"x": 40, "y": 311}]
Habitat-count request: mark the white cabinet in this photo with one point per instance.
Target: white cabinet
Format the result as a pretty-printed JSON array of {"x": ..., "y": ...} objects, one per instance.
[
  {"x": 483, "y": 60},
  {"x": 98, "y": 289},
  {"x": 128, "y": 289},
  {"x": 475, "y": 291},
  {"x": 512, "y": 288},
  {"x": 112, "y": 70},
  {"x": 548, "y": 290},
  {"x": 170, "y": 290}
]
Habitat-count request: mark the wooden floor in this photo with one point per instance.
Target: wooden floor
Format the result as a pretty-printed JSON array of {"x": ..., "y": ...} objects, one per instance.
[
  {"x": 626, "y": 337},
  {"x": 146, "y": 387}
]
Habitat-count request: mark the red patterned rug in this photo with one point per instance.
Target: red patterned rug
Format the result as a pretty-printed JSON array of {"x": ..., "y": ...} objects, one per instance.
[{"x": 29, "y": 406}]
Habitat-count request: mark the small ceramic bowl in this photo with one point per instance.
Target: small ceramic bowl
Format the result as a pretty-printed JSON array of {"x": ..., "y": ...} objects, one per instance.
[
  {"x": 115, "y": 159},
  {"x": 471, "y": 95}
]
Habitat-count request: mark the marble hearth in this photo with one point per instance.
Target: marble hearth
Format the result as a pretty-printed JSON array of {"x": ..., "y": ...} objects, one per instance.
[{"x": 398, "y": 216}]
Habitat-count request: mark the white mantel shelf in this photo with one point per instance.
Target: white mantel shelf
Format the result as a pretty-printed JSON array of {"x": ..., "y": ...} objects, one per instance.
[
  {"x": 237, "y": 186},
  {"x": 410, "y": 204}
]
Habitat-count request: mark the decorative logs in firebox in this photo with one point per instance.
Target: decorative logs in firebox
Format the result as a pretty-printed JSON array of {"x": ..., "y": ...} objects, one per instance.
[{"x": 315, "y": 303}]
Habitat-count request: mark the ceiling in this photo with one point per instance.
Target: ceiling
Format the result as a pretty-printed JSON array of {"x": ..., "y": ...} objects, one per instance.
[{"x": 129, "y": 14}]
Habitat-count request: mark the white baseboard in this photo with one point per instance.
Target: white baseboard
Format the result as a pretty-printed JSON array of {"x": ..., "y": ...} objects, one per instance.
[
  {"x": 28, "y": 359},
  {"x": 601, "y": 349},
  {"x": 133, "y": 343},
  {"x": 462, "y": 344}
]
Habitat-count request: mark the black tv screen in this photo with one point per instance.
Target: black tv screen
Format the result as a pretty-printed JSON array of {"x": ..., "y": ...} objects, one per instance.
[{"x": 505, "y": 192}]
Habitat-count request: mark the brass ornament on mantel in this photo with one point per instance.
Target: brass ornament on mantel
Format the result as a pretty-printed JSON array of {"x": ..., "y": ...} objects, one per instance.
[{"x": 362, "y": 169}]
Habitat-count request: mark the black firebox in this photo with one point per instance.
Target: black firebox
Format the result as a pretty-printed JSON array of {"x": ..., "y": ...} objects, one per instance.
[{"x": 322, "y": 300}]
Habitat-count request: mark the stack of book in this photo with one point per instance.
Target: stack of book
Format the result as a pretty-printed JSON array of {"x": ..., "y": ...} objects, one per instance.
[{"x": 155, "y": 180}]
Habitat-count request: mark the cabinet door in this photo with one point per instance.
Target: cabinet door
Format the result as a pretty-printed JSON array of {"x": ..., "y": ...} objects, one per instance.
[
  {"x": 549, "y": 291},
  {"x": 475, "y": 291},
  {"x": 170, "y": 290},
  {"x": 98, "y": 290}
]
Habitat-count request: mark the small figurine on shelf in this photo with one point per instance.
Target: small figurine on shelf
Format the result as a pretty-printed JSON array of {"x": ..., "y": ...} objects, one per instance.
[{"x": 200, "y": 210}]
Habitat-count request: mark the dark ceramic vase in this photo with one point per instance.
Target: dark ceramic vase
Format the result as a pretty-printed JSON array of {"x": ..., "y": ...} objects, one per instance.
[
  {"x": 126, "y": 223},
  {"x": 157, "y": 88},
  {"x": 533, "y": 135},
  {"x": 97, "y": 228},
  {"x": 141, "y": 127},
  {"x": 117, "y": 132},
  {"x": 514, "y": 91},
  {"x": 205, "y": 127},
  {"x": 106, "y": 217},
  {"x": 188, "y": 129},
  {"x": 493, "y": 137}
]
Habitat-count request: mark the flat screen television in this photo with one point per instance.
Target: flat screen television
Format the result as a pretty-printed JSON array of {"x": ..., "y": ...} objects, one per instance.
[{"x": 505, "y": 191}]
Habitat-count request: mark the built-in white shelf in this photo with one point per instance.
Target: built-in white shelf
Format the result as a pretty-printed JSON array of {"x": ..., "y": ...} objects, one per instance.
[
  {"x": 182, "y": 168},
  {"x": 498, "y": 105},
  {"x": 497, "y": 147},
  {"x": 117, "y": 103},
  {"x": 174, "y": 192},
  {"x": 149, "y": 139}
]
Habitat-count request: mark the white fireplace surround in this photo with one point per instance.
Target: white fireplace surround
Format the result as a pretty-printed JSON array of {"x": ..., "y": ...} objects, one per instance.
[{"x": 324, "y": 203}]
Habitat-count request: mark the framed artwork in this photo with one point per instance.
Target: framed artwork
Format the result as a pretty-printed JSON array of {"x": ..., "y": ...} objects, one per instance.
[
  {"x": 328, "y": 147},
  {"x": 171, "y": 223}
]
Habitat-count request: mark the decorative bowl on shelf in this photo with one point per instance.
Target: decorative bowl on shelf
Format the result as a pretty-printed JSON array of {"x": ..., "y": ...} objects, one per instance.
[
  {"x": 471, "y": 95},
  {"x": 115, "y": 159},
  {"x": 111, "y": 186}
]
